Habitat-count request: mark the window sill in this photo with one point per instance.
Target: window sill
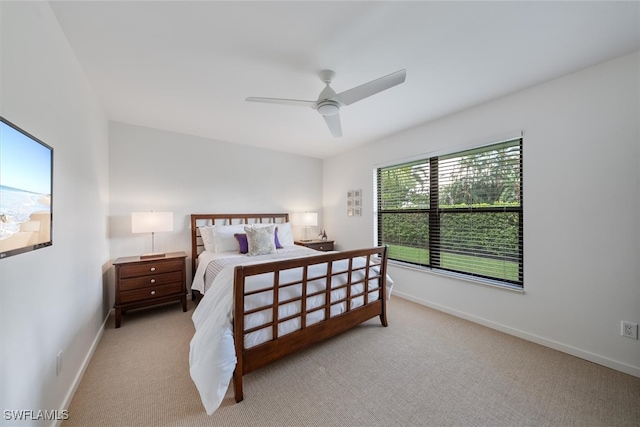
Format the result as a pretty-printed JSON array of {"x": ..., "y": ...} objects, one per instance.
[{"x": 459, "y": 276}]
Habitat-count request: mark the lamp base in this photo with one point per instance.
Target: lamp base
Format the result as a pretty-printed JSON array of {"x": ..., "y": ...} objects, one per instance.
[{"x": 153, "y": 255}]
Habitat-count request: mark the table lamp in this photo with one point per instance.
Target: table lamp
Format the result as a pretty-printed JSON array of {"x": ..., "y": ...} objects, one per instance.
[
  {"x": 151, "y": 222},
  {"x": 306, "y": 220}
]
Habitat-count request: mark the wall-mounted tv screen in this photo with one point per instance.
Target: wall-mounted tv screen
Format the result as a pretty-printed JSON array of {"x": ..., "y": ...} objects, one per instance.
[{"x": 26, "y": 187}]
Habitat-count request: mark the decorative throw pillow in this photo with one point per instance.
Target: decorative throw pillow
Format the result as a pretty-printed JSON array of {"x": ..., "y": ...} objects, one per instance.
[
  {"x": 260, "y": 240},
  {"x": 276, "y": 241},
  {"x": 243, "y": 244},
  {"x": 275, "y": 236}
]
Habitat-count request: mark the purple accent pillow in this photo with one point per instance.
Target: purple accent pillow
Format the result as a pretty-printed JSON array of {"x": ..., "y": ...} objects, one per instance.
[
  {"x": 278, "y": 245},
  {"x": 243, "y": 244}
]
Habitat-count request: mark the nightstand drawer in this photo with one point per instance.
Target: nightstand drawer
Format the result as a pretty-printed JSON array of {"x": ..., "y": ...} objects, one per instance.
[
  {"x": 154, "y": 267},
  {"x": 150, "y": 293},
  {"x": 150, "y": 280},
  {"x": 320, "y": 246}
]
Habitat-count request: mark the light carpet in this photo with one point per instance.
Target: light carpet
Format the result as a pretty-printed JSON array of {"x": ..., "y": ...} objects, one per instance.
[{"x": 427, "y": 368}]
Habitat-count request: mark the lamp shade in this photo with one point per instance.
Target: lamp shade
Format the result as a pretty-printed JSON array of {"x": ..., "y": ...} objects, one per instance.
[
  {"x": 305, "y": 219},
  {"x": 151, "y": 222}
]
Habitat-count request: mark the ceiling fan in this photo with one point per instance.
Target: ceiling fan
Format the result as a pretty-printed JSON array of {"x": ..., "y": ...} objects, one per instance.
[{"x": 329, "y": 102}]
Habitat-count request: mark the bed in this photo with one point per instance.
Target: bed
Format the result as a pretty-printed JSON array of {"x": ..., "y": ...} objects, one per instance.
[{"x": 259, "y": 305}]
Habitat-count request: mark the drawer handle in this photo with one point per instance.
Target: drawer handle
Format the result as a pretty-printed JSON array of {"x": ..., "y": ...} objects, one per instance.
[
  {"x": 153, "y": 292},
  {"x": 153, "y": 269},
  {"x": 153, "y": 280}
]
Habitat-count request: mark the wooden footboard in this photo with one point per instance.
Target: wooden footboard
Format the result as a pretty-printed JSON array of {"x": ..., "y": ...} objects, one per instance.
[{"x": 362, "y": 290}]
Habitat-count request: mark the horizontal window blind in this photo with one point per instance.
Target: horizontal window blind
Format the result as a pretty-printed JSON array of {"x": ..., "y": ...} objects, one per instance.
[{"x": 461, "y": 212}]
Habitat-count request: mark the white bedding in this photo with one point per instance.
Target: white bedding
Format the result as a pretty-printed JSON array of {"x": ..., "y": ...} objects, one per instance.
[
  {"x": 212, "y": 356},
  {"x": 206, "y": 257}
]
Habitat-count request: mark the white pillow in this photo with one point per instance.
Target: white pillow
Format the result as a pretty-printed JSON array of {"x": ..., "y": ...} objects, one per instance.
[
  {"x": 260, "y": 240},
  {"x": 223, "y": 239},
  {"x": 285, "y": 236},
  {"x": 206, "y": 233}
]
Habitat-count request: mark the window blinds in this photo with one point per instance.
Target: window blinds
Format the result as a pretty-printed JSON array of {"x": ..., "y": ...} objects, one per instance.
[{"x": 461, "y": 212}]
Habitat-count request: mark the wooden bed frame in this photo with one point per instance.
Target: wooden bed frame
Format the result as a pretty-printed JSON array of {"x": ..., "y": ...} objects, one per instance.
[{"x": 248, "y": 360}]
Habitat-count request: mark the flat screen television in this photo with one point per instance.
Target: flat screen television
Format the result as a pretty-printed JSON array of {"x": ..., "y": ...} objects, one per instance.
[{"x": 26, "y": 187}]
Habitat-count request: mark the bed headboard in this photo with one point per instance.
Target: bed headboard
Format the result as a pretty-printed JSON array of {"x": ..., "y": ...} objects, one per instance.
[{"x": 198, "y": 220}]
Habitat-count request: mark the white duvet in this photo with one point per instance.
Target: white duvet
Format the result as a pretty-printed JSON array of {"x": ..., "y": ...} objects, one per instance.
[
  {"x": 206, "y": 257},
  {"x": 212, "y": 356}
]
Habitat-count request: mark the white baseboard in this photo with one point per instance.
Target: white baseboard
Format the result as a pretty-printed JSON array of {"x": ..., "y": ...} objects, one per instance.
[
  {"x": 582, "y": 354},
  {"x": 85, "y": 364}
]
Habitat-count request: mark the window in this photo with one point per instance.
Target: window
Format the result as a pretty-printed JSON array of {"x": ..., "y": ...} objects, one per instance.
[{"x": 460, "y": 212}]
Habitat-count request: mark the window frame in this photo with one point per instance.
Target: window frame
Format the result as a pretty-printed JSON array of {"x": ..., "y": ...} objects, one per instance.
[{"x": 434, "y": 221}]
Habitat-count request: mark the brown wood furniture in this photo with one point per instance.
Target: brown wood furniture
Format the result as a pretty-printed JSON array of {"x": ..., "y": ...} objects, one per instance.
[
  {"x": 147, "y": 282},
  {"x": 250, "y": 359},
  {"x": 318, "y": 245}
]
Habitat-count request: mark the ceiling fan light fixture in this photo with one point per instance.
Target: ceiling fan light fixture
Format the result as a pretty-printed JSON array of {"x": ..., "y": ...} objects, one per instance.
[{"x": 328, "y": 108}]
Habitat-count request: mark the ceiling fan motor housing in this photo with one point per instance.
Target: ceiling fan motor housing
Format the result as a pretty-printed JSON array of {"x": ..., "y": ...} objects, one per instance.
[{"x": 328, "y": 108}]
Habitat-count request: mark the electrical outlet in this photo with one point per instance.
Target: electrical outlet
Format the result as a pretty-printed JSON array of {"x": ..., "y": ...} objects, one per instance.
[
  {"x": 629, "y": 330},
  {"x": 59, "y": 363}
]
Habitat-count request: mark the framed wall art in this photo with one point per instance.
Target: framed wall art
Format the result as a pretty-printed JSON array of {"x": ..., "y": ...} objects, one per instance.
[{"x": 354, "y": 202}]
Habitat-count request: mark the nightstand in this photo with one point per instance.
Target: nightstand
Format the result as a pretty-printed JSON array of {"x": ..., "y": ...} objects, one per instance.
[
  {"x": 147, "y": 282},
  {"x": 318, "y": 245}
]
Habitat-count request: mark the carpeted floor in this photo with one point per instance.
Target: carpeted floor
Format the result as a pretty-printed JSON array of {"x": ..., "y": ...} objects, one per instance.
[{"x": 426, "y": 369}]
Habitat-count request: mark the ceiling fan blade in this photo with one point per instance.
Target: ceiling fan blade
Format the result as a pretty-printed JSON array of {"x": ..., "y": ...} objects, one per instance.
[
  {"x": 297, "y": 102},
  {"x": 334, "y": 125},
  {"x": 357, "y": 93}
]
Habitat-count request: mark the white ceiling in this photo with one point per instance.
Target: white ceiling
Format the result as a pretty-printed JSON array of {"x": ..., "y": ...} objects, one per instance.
[{"x": 187, "y": 67}]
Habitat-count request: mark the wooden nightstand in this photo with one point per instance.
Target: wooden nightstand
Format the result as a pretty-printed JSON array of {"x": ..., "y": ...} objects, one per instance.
[
  {"x": 318, "y": 245},
  {"x": 146, "y": 282}
]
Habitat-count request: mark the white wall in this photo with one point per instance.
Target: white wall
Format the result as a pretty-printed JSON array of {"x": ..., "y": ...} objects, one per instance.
[
  {"x": 52, "y": 299},
  {"x": 581, "y": 211},
  {"x": 164, "y": 171}
]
